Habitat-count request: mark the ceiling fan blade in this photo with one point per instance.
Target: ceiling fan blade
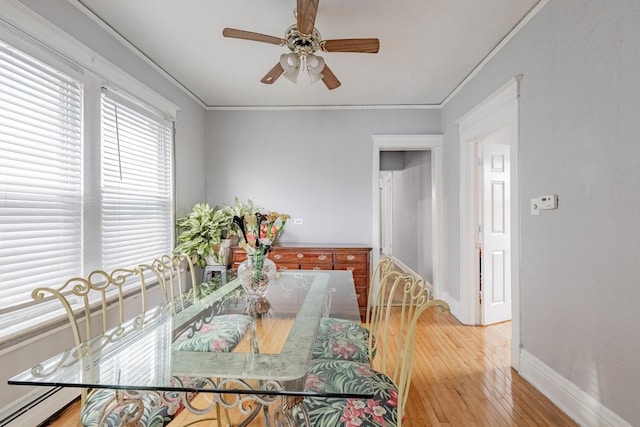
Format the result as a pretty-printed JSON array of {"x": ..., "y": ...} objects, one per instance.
[
  {"x": 306, "y": 14},
  {"x": 248, "y": 35},
  {"x": 273, "y": 74},
  {"x": 351, "y": 45},
  {"x": 329, "y": 79}
]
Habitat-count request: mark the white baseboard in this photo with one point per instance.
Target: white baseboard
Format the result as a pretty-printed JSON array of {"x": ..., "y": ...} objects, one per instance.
[
  {"x": 38, "y": 413},
  {"x": 580, "y": 406},
  {"x": 454, "y": 304}
]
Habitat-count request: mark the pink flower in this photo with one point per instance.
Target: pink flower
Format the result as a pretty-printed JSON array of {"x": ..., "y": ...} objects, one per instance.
[
  {"x": 393, "y": 399},
  {"x": 209, "y": 327},
  {"x": 363, "y": 371},
  {"x": 343, "y": 349},
  {"x": 353, "y": 413},
  {"x": 338, "y": 328},
  {"x": 314, "y": 382},
  {"x": 220, "y": 345},
  {"x": 376, "y": 411},
  {"x": 350, "y": 419}
]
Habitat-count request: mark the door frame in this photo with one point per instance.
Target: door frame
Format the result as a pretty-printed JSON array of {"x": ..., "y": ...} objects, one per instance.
[
  {"x": 386, "y": 213},
  {"x": 431, "y": 143},
  {"x": 499, "y": 108}
]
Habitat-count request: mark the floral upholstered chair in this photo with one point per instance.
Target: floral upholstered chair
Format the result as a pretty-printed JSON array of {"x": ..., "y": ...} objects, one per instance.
[
  {"x": 390, "y": 376},
  {"x": 100, "y": 303},
  {"x": 222, "y": 334},
  {"x": 342, "y": 339}
]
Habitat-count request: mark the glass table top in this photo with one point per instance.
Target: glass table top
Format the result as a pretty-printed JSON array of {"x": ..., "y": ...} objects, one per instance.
[{"x": 272, "y": 356}]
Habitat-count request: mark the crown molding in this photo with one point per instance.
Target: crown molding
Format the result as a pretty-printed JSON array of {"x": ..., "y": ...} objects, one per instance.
[{"x": 326, "y": 107}]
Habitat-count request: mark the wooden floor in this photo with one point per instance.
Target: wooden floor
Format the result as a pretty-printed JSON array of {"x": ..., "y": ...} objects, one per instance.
[{"x": 462, "y": 377}]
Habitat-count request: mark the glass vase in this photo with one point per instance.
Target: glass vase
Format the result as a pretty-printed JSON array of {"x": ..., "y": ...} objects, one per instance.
[{"x": 256, "y": 274}]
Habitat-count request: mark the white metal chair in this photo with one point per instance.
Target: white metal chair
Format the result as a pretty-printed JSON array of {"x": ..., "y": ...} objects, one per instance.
[
  {"x": 220, "y": 335},
  {"x": 100, "y": 302},
  {"x": 390, "y": 380},
  {"x": 342, "y": 339}
]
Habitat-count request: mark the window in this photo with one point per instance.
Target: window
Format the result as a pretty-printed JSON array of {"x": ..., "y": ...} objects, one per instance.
[
  {"x": 40, "y": 176},
  {"x": 76, "y": 194},
  {"x": 136, "y": 184}
]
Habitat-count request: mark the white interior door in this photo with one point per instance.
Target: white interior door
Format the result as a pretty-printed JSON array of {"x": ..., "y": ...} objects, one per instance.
[{"x": 495, "y": 228}]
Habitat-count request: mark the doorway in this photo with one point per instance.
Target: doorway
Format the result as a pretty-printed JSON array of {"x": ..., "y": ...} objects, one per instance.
[
  {"x": 489, "y": 213},
  {"x": 432, "y": 143},
  {"x": 494, "y": 227}
]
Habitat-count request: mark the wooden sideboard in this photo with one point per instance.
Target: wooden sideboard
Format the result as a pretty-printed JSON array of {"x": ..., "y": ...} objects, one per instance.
[{"x": 321, "y": 257}]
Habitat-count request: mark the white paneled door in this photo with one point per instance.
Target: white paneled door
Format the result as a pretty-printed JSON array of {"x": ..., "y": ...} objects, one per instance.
[{"x": 496, "y": 226}]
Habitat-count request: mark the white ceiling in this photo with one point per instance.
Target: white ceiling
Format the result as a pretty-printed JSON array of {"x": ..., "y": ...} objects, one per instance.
[{"x": 427, "y": 47}]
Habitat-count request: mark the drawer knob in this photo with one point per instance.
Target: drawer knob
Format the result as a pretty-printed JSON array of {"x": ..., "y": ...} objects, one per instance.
[
  {"x": 322, "y": 257},
  {"x": 300, "y": 256},
  {"x": 351, "y": 257},
  {"x": 277, "y": 256}
]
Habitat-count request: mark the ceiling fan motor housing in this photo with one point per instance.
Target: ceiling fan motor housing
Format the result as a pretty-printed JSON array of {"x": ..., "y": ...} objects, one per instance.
[{"x": 302, "y": 44}]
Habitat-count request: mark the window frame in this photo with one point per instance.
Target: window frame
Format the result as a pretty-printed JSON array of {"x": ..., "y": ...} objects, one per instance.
[{"x": 23, "y": 29}]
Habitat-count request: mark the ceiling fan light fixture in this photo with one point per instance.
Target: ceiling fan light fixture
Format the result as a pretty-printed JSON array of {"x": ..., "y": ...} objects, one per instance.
[
  {"x": 291, "y": 66},
  {"x": 315, "y": 65}
]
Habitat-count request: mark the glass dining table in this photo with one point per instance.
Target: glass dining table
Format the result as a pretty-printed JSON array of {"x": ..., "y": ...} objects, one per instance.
[{"x": 265, "y": 372}]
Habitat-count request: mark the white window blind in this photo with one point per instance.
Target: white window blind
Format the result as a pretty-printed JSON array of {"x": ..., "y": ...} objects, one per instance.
[
  {"x": 40, "y": 177},
  {"x": 137, "y": 213}
]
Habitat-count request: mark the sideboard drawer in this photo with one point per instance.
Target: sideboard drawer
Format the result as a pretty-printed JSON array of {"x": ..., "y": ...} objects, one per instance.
[
  {"x": 315, "y": 257},
  {"x": 351, "y": 258},
  {"x": 315, "y": 266},
  {"x": 283, "y": 266},
  {"x": 361, "y": 281},
  {"x": 362, "y": 294},
  {"x": 283, "y": 256},
  {"x": 238, "y": 256},
  {"x": 356, "y": 269}
]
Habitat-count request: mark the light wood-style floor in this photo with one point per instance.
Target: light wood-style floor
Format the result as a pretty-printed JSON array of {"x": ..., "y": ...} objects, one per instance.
[{"x": 462, "y": 377}]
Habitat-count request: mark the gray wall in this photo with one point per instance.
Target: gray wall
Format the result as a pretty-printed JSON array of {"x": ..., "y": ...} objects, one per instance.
[
  {"x": 412, "y": 213},
  {"x": 190, "y": 163},
  {"x": 314, "y": 165},
  {"x": 579, "y": 127}
]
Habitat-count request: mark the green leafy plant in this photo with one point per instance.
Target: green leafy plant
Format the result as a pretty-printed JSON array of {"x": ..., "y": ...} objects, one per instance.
[{"x": 201, "y": 234}]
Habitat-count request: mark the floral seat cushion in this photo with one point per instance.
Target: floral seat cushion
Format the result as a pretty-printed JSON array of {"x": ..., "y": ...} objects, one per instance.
[
  {"x": 339, "y": 376},
  {"x": 221, "y": 335},
  {"x": 342, "y": 339},
  {"x": 154, "y": 415}
]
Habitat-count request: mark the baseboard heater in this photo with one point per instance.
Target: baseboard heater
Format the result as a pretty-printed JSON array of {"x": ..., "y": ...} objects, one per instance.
[{"x": 31, "y": 413}]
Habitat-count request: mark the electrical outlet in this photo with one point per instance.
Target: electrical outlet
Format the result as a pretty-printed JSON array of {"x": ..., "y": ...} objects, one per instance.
[{"x": 298, "y": 221}]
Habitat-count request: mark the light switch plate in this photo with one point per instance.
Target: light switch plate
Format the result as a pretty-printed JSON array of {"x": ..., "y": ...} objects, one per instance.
[{"x": 535, "y": 208}]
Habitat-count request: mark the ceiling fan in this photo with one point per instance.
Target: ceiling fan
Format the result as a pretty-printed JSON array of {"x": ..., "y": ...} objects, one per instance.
[{"x": 303, "y": 40}]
